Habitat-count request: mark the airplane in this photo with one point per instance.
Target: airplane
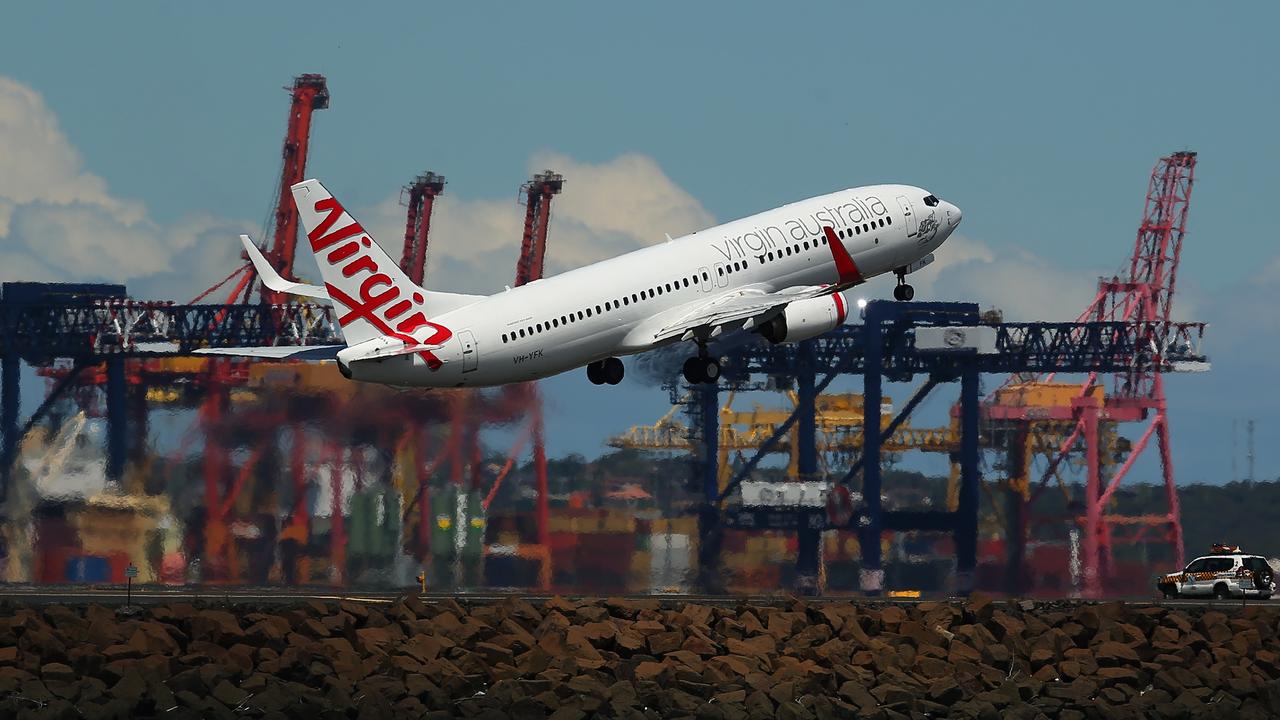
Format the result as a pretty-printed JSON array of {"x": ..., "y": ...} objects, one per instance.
[{"x": 780, "y": 273}]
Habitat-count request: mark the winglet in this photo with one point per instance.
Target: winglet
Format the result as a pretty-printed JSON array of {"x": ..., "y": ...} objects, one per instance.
[{"x": 272, "y": 279}]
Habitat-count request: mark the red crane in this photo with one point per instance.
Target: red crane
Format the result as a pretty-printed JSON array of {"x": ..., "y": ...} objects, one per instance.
[
  {"x": 1143, "y": 298},
  {"x": 309, "y": 93},
  {"x": 533, "y": 248},
  {"x": 421, "y": 196},
  {"x": 1145, "y": 295}
]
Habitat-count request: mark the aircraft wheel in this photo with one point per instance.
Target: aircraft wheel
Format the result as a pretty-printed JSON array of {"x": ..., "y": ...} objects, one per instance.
[
  {"x": 612, "y": 370},
  {"x": 710, "y": 369},
  {"x": 904, "y": 293},
  {"x": 701, "y": 370},
  {"x": 693, "y": 371},
  {"x": 595, "y": 373}
]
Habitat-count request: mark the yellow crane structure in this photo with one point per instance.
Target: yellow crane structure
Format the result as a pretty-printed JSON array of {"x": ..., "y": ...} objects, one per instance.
[
  {"x": 839, "y": 426},
  {"x": 1026, "y": 445}
]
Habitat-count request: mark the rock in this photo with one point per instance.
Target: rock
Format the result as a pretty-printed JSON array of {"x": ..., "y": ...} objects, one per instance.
[
  {"x": 229, "y": 694},
  {"x": 1113, "y": 675},
  {"x": 1114, "y": 653},
  {"x": 664, "y": 642},
  {"x": 945, "y": 690},
  {"x": 57, "y": 672},
  {"x": 216, "y": 626}
]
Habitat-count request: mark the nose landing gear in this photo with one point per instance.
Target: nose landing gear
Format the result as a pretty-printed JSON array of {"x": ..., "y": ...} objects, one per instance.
[
  {"x": 607, "y": 371},
  {"x": 903, "y": 292}
]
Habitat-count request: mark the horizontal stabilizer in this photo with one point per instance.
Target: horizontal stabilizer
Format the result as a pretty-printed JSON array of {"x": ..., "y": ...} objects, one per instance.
[
  {"x": 273, "y": 280},
  {"x": 278, "y": 352},
  {"x": 384, "y": 347}
]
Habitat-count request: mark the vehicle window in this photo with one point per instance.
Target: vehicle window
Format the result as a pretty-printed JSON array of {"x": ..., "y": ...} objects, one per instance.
[
  {"x": 931, "y": 200},
  {"x": 1257, "y": 563},
  {"x": 1220, "y": 564},
  {"x": 888, "y": 220},
  {"x": 1198, "y": 566}
]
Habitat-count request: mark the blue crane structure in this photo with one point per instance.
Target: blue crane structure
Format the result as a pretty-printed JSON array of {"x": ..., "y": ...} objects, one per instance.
[
  {"x": 884, "y": 348},
  {"x": 98, "y": 324},
  {"x": 90, "y": 325}
]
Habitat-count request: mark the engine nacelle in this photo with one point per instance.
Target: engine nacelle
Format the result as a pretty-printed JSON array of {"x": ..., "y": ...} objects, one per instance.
[{"x": 804, "y": 319}]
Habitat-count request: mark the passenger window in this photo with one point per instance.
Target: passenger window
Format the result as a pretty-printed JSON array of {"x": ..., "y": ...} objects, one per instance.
[
  {"x": 1197, "y": 566},
  {"x": 806, "y": 244},
  {"x": 686, "y": 282},
  {"x": 857, "y": 229},
  {"x": 668, "y": 287},
  {"x": 888, "y": 220},
  {"x": 705, "y": 276},
  {"x": 504, "y": 337},
  {"x": 579, "y": 314},
  {"x": 720, "y": 271},
  {"x": 597, "y": 309}
]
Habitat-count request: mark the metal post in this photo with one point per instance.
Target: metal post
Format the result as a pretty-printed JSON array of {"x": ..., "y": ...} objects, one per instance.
[
  {"x": 1093, "y": 508},
  {"x": 117, "y": 419},
  {"x": 809, "y": 538},
  {"x": 708, "y": 399},
  {"x": 871, "y": 578},
  {"x": 966, "y": 527},
  {"x": 10, "y": 374}
]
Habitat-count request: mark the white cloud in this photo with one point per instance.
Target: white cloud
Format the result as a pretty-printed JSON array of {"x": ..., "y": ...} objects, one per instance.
[
  {"x": 58, "y": 222},
  {"x": 1023, "y": 285},
  {"x": 606, "y": 209}
]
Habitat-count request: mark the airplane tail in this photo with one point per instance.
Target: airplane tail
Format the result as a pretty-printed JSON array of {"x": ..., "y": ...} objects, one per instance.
[{"x": 373, "y": 295}]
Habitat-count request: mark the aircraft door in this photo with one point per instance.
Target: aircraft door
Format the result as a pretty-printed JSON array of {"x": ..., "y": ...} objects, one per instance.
[
  {"x": 721, "y": 277},
  {"x": 910, "y": 217},
  {"x": 704, "y": 277},
  {"x": 470, "y": 357}
]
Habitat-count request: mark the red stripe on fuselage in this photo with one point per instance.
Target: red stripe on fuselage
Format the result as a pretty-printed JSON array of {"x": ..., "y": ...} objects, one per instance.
[{"x": 845, "y": 267}]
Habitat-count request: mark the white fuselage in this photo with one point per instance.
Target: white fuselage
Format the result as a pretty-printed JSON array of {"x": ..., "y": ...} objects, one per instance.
[{"x": 613, "y": 307}]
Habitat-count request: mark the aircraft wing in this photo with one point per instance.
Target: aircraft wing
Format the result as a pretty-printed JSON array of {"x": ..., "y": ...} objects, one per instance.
[
  {"x": 272, "y": 279},
  {"x": 747, "y": 307},
  {"x": 278, "y": 352}
]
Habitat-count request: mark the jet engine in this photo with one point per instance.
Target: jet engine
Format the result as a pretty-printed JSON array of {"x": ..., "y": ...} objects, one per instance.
[{"x": 804, "y": 319}]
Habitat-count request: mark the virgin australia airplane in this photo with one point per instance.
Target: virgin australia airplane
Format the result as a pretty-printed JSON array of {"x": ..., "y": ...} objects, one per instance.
[{"x": 779, "y": 273}]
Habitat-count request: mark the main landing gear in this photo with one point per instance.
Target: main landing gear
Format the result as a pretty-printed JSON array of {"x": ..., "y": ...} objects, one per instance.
[
  {"x": 903, "y": 292},
  {"x": 609, "y": 370},
  {"x": 701, "y": 369}
]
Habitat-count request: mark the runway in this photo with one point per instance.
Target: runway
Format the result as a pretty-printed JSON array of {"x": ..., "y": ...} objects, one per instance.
[{"x": 113, "y": 595}]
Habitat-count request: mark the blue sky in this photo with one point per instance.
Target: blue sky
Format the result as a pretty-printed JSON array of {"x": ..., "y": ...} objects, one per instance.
[{"x": 1040, "y": 122}]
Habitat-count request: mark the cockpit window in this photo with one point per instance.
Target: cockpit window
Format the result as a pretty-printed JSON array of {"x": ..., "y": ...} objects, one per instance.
[{"x": 931, "y": 200}]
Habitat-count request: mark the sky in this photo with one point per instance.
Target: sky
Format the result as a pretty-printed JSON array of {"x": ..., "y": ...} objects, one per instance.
[{"x": 137, "y": 140}]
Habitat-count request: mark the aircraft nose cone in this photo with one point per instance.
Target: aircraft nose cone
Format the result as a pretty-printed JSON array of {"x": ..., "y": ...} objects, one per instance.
[{"x": 953, "y": 214}]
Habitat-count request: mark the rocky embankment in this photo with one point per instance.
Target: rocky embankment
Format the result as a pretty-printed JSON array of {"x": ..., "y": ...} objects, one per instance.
[{"x": 631, "y": 659}]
